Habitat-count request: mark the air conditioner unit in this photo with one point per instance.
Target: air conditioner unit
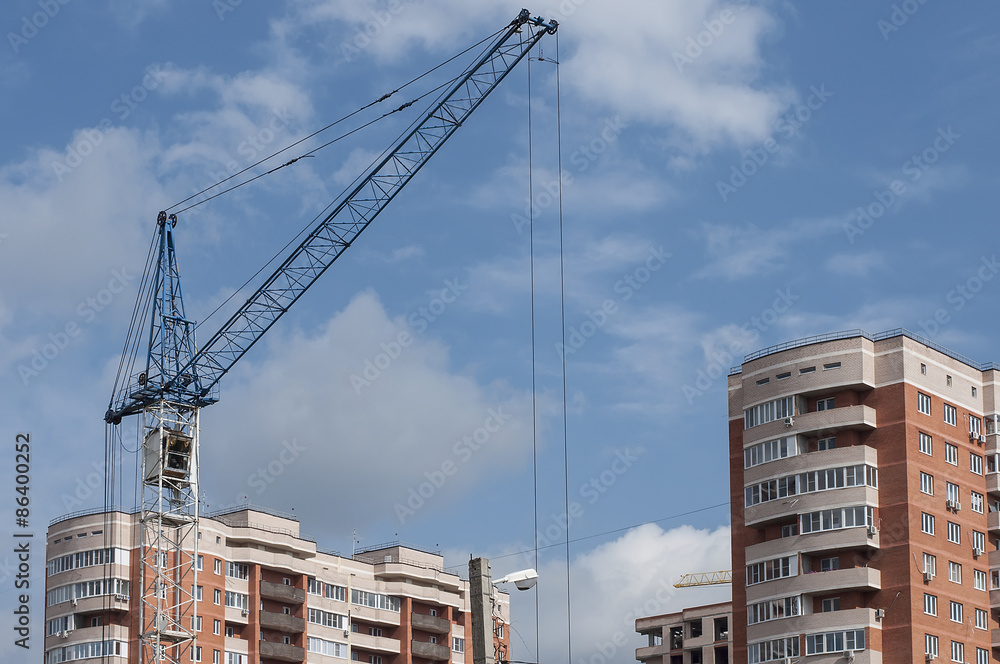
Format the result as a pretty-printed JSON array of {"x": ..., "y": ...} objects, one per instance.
[
  {"x": 789, "y": 421},
  {"x": 74, "y": 601},
  {"x": 930, "y": 657},
  {"x": 347, "y": 633},
  {"x": 872, "y": 530},
  {"x": 244, "y": 613},
  {"x": 982, "y": 439},
  {"x": 953, "y": 505},
  {"x": 927, "y": 577},
  {"x": 64, "y": 634},
  {"x": 849, "y": 655},
  {"x": 976, "y": 551},
  {"x": 879, "y": 614}
]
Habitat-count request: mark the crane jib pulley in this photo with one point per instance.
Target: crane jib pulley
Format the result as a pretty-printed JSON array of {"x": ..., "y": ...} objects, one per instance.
[{"x": 184, "y": 376}]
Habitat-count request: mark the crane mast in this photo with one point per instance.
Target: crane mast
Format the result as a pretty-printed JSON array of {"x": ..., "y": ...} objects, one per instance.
[{"x": 179, "y": 379}]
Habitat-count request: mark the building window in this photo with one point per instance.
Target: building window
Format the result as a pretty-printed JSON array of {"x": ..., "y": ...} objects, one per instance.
[
  {"x": 790, "y": 530},
  {"x": 831, "y": 604},
  {"x": 338, "y": 593},
  {"x": 773, "y": 450},
  {"x": 196, "y": 654},
  {"x": 831, "y": 365},
  {"x": 774, "y": 609},
  {"x": 954, "y": 533},
  {"x": 927, "y": 523},
  {"x": 374, "y": 631},
  {"x": 216, "y": 657},
  {"x": 979, "y": 579},
  {"x": 951, "y": 494},
  {"x": 807, "y": 370},
  {"x": 975, "y": 425},
  {"x": 216, "y": 627},
  {"x": 951, "y": 453},
  {"x": 982, "y": 619},
  {"x": 930, "y": 604},
  {"x": 957, "y": 651},
  {"x": 923, "y": 369},
  {"x": 956, "y": 612},
  {"x": 777, "y": 568},
  {"x": 768, "y": 412},
  {"x": 765, "y": 651},
  {"x": 230, "y": 631},
  {"x": 835, "y": 642},
  {"x": 457, "y": 644},
  {"x": 825, "y": 404},
  {"x": 434, "y": 612},
  {"x": 948, "y": 380},
  {"x": 237, "y": 600},
  {"x": 783, "y": 376},
  {"x": 954, "y": 572},
  {"x": 218, "y": 596},
  {"x": 930, "y": 645},
  {"x": 927, "y": 483},
  {"x": 841, "y": 517},
  {"x": 826, "y": 444},
  {"x": 199, "y": 592},
  {"x": 201, "y": 562},
  {"x": 974, "y": 393},
  {"x": 237, "y": 570},
  {"x": 763, "y": 381},
  {"x": 982, "y": 655},
  {"x": 978, "y": 541},
  {"x": 829, "y": 564},
  {"x": 976, "y": 501},
  {"x": 923, "y": 403},
  {"x": 950, "y": 415},
  {"x": 976, "y": 464},
  {"x": 434, "y": 639},
  {"x": 218, "y": 566},
  {"x": 930, "y": 564},
  {"x": 926, "y": 444}
]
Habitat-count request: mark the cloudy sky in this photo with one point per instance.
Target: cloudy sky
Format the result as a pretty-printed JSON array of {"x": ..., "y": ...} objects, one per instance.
[{"x": 734, "y": 175}]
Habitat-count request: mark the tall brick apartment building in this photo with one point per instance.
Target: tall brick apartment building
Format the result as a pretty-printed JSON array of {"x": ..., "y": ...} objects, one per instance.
[
  {"x": 266, "y": 595},
  {"x": 865, "y": 502}
]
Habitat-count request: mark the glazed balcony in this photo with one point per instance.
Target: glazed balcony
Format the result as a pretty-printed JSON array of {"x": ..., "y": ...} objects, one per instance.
[{"x": 827, "y": 422}]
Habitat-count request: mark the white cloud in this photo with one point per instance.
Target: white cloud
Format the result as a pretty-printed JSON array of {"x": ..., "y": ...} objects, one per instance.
[
  {"x": 713, "y": 98},
  {"x": 416, "y": 411},
  {"x": 613, "y": 584}
]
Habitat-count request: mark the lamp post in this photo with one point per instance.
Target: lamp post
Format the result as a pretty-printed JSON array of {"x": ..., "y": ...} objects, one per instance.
[{"x": 481, "y": 597}]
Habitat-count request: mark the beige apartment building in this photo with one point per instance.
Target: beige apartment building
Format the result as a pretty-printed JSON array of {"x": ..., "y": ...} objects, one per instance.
[
  {"x": 865, "y": 499},
  {"x": 265, "y": 595},
  {"x": 698, "y": 635}
]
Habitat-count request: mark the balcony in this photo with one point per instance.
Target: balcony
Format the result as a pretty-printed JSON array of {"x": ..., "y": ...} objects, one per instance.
[
  {"x": 841, "y": 456},
  {"x": 995, "y": 638},
  {"x": 431, "y": 624},
  {"x": 650, "y": 652},
  {"x": 380, "y": 644},
  {"x": 861, "y": 418},
  {"x": 282, "y": 622},
  {"x": 831, "y": 540},
  {"x": 282, "y": 593},
  {"x": 816, "y": 622},
  {"x": 433, "y": 651},
  {"x": 282, "y": 652},
  {"x": 995, "y": 599},
  {"x": 784, "y": 508},
  {"x": 993, "y": 521},
  {"x": 992, "y": 482},
  {"x": 840, "y": 580}
]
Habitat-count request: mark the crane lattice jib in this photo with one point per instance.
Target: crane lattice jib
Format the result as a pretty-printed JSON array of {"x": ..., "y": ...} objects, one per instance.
[
  {"x": 705, "y": 579},
  {"x": 335, "y": 233}
]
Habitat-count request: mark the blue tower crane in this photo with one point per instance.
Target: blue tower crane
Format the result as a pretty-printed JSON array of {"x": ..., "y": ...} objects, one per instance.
[{"x": 180, "y": 379}]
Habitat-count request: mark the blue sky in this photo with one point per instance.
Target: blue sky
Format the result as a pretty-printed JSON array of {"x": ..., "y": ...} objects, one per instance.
[{"x": 735, "y": 174}]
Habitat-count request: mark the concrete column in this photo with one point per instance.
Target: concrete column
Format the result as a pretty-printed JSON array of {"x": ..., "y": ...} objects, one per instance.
[{"x": 480, "y": 596}]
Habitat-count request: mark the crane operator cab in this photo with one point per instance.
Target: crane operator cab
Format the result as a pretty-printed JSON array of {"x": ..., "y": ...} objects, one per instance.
[{"x": 173, "y": 450}]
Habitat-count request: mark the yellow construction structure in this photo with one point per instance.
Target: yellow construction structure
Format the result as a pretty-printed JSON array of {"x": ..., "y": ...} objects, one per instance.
[{"x": 705, "y": 579}]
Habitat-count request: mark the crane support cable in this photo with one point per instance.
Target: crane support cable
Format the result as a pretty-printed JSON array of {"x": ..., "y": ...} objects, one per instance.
[
  {"x": 381, "y": 99},
  {"x": 339, "y": 229}
]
